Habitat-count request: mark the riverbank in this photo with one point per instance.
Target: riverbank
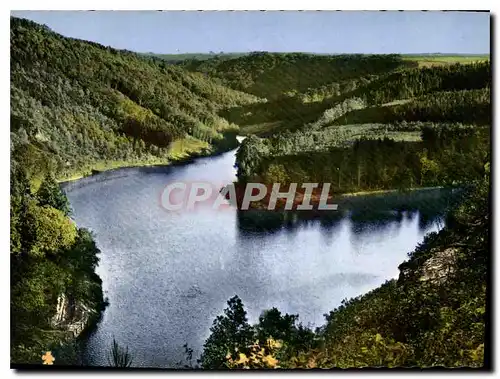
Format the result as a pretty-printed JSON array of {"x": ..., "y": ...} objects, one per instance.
[
  {"x": 315, "y": 198},
  {"x": 386, "y": 191},
  {"x": 186, "y": 157},
  {"x": 101, "y": 167}
]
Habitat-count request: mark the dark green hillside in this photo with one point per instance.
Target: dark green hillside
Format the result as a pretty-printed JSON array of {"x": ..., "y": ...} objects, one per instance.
[
  {"x": 76, "y": 104},
  {"x": 378, "y": 136},
  {"x": 468, "y": 106},
  {"x": 273, "y": 75},
  {"x": 183, "y": 58},
  {"x": 407, "y": 84}
]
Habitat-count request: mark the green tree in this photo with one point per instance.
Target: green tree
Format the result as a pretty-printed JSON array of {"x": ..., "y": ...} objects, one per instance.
[
  {"x": 50, "y": 194},
  {"x": 429, "y": 170},
  {"x": 276, "y": 173},
  {"x": 230, "y": 333},
  {"x": 48, "y": 230}
]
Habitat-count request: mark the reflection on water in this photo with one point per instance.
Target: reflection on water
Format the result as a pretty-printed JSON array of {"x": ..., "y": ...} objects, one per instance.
[
  {"x": 169, "y": 274},
  {"x": 367, "y": 214}
]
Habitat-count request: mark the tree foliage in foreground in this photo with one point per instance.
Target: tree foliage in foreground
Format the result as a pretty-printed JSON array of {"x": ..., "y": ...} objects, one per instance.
[
  {"x": 50, "y": 259},
  {"x": 232, "y": 336}
]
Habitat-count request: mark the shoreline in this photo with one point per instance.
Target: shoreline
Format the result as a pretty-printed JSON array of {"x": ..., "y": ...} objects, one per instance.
[
  {"x": 190, "y": 158},
  {"x": 315, "y": 199},
  {"x": 100, "y": 171},
  {"x": 386, "y": 191}
]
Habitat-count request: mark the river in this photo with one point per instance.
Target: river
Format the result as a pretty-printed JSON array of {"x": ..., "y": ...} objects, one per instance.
[{"x": 168, "y": 274}]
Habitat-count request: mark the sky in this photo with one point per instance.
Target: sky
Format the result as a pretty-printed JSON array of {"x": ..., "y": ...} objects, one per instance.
[{"x": 175, "y": 32}]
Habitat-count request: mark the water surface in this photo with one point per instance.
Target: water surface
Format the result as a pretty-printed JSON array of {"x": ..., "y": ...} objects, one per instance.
[{"x": 167, "y": 275}]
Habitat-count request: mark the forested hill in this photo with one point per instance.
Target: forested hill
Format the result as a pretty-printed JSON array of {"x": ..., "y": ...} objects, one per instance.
[
  {"x": 273, "y": 75},
  {"x": 76, "y": 104},
  {"x": 182, "y": 58},
  {"x": 415, "y": 127}
]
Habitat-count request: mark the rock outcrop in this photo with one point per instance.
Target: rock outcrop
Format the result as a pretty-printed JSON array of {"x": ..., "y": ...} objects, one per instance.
[
  {"x": 439, "y": 266},
  {"x": 71, "y": 316}
]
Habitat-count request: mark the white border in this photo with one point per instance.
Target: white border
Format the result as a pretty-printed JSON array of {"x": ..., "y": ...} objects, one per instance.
[
  {"x": 181, "y": 5},
  {"x": 255, "y": 5}
]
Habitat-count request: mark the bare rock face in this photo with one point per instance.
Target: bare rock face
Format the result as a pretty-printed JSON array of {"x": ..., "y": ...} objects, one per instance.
[
  {"x": 71, "y": 317},
  {"x": 439, "y": 267}
]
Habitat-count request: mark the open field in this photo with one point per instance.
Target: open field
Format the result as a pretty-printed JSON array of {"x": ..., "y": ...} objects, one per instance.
[{"x": 437, "y": 60}]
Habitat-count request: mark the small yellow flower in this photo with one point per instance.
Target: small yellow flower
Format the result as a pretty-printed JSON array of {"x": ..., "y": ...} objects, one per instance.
[
  {"x": 270, "y": 360},
  {"x": 48, "y": 359},
  {"x": 243, "y": 359},
  {"x": 273, "y": 344}
]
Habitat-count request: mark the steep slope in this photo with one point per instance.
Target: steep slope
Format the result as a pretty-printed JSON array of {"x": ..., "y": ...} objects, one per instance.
[
  {"x": 435, "y": 314},
  {"x": 55, "y": 293},
  {"x": 75, "y": 104},
  {"x": 319, "y": 107}
]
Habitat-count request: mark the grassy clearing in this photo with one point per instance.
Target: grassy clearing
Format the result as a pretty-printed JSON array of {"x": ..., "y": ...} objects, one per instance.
[
  {"x": 440, "y": 60},
  {"x": 260, "y": 129},
  {"x": 110, "y": 165},
  {"x": 323, "y": 140},
  {"x": 374, "y": 114},
  {"x": 397, "y": 102},
  {"x": 183, "y": 148},
  {"x": 353, "y": 132}
]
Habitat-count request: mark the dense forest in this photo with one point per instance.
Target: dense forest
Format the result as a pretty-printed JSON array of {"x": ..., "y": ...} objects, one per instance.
[
  {"x": 272, "y": 75},
  {"x": 370, "y": 157},
  {"x": 411, "y": 128},
  {"x": 77, "y": 105},
  {"x": 299, "y": 87},
  {"x": 55, "y": 293},
  {"x": 360, "y": 122}
]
